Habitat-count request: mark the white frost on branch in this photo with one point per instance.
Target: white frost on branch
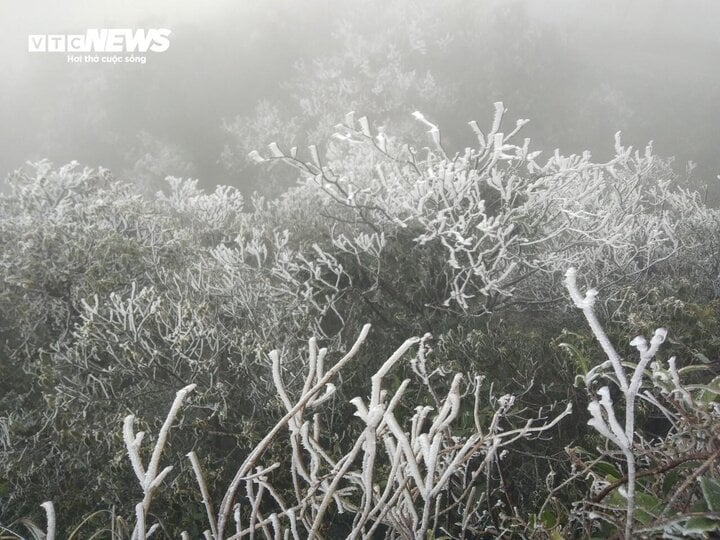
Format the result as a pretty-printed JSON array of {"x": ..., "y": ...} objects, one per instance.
[{"x": 604, "y": 417}]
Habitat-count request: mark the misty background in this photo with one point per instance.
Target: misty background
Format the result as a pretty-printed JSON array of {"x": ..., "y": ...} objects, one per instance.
[{"x": 239, "y": 75}]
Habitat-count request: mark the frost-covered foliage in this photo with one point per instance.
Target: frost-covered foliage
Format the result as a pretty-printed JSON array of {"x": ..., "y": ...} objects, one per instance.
[
  {"x": 652, "y": 496},
  {"x": 506, "y": 222},
  {"x": 405, "y": 475},
  {"x": 388, "y": 70},
  {"x": 112, "y": 300},
  {"x": 104, "y": 304},
  {"x": 410, "y": 475}
]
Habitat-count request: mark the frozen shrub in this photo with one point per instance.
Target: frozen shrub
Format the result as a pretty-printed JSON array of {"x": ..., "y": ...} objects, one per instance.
[
  {"x": 112, "y": 300},
  {"x": 505, "y": 223},
  {"x": 417, "y": 471},
  {"x": 412, "y": 471},
  {"x": 656, "y": 485}
]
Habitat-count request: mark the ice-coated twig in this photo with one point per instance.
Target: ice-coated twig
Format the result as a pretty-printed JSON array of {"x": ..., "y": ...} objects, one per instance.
[
  {"x": 586, "y": 303},
  {"x": 603, "y": 416},
  {"x": 202, "y": 484},
  {"x": 139, "y": 531},
  {"x": 49, "y": 508},
  {"x": 229, "y": 497},
  {"x": 150, "y": 479}
]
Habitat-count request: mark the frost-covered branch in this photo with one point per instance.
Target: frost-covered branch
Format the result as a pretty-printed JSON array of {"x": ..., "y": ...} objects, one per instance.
[
  {"x": 423, "y": 461},
  {"x": 603, "y": 414},
  {"x": 150, "y": 479}
]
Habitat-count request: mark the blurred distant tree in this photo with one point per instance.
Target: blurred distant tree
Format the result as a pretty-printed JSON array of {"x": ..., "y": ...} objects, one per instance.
[
  {"x": 268, "y": 123},
  {"x": 387, "y": 60},
  {"x": 154, "y": 159}
]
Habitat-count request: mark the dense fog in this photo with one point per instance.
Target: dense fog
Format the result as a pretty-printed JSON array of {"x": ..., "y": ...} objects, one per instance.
[
  {"x": 579, "y": 70},
  {"x": 298, "y": 269}
]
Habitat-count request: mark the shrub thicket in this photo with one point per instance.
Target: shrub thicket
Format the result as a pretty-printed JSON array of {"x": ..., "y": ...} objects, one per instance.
[{"x": 111, "y": 301}]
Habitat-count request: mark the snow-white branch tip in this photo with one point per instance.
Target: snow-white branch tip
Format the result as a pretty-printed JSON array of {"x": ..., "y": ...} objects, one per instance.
[
  {"x": 571, "y": 284},
  {"x": 49, "y": 508},
  {"x": 275, "y": 150},
  {"x": 641, "y": 344}
]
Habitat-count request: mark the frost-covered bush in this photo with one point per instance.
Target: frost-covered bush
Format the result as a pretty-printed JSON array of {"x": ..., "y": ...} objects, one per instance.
[
  {"x": 643, "y": 483},
  {"x": 424, "y": 473},
  {"x": 112, "y": 300},
  {"x": 408, "y": 474},
  {"x": 502, "y": 222}
]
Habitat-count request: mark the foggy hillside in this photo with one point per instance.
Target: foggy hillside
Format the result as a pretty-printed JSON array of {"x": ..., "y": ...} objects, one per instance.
[
  {"x": 335, "y": 269},
  {"x": 580, "y": 70}
]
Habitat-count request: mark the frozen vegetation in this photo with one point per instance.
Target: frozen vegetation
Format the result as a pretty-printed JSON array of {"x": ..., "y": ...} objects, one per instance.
[{"x": 408, "y": 343}]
